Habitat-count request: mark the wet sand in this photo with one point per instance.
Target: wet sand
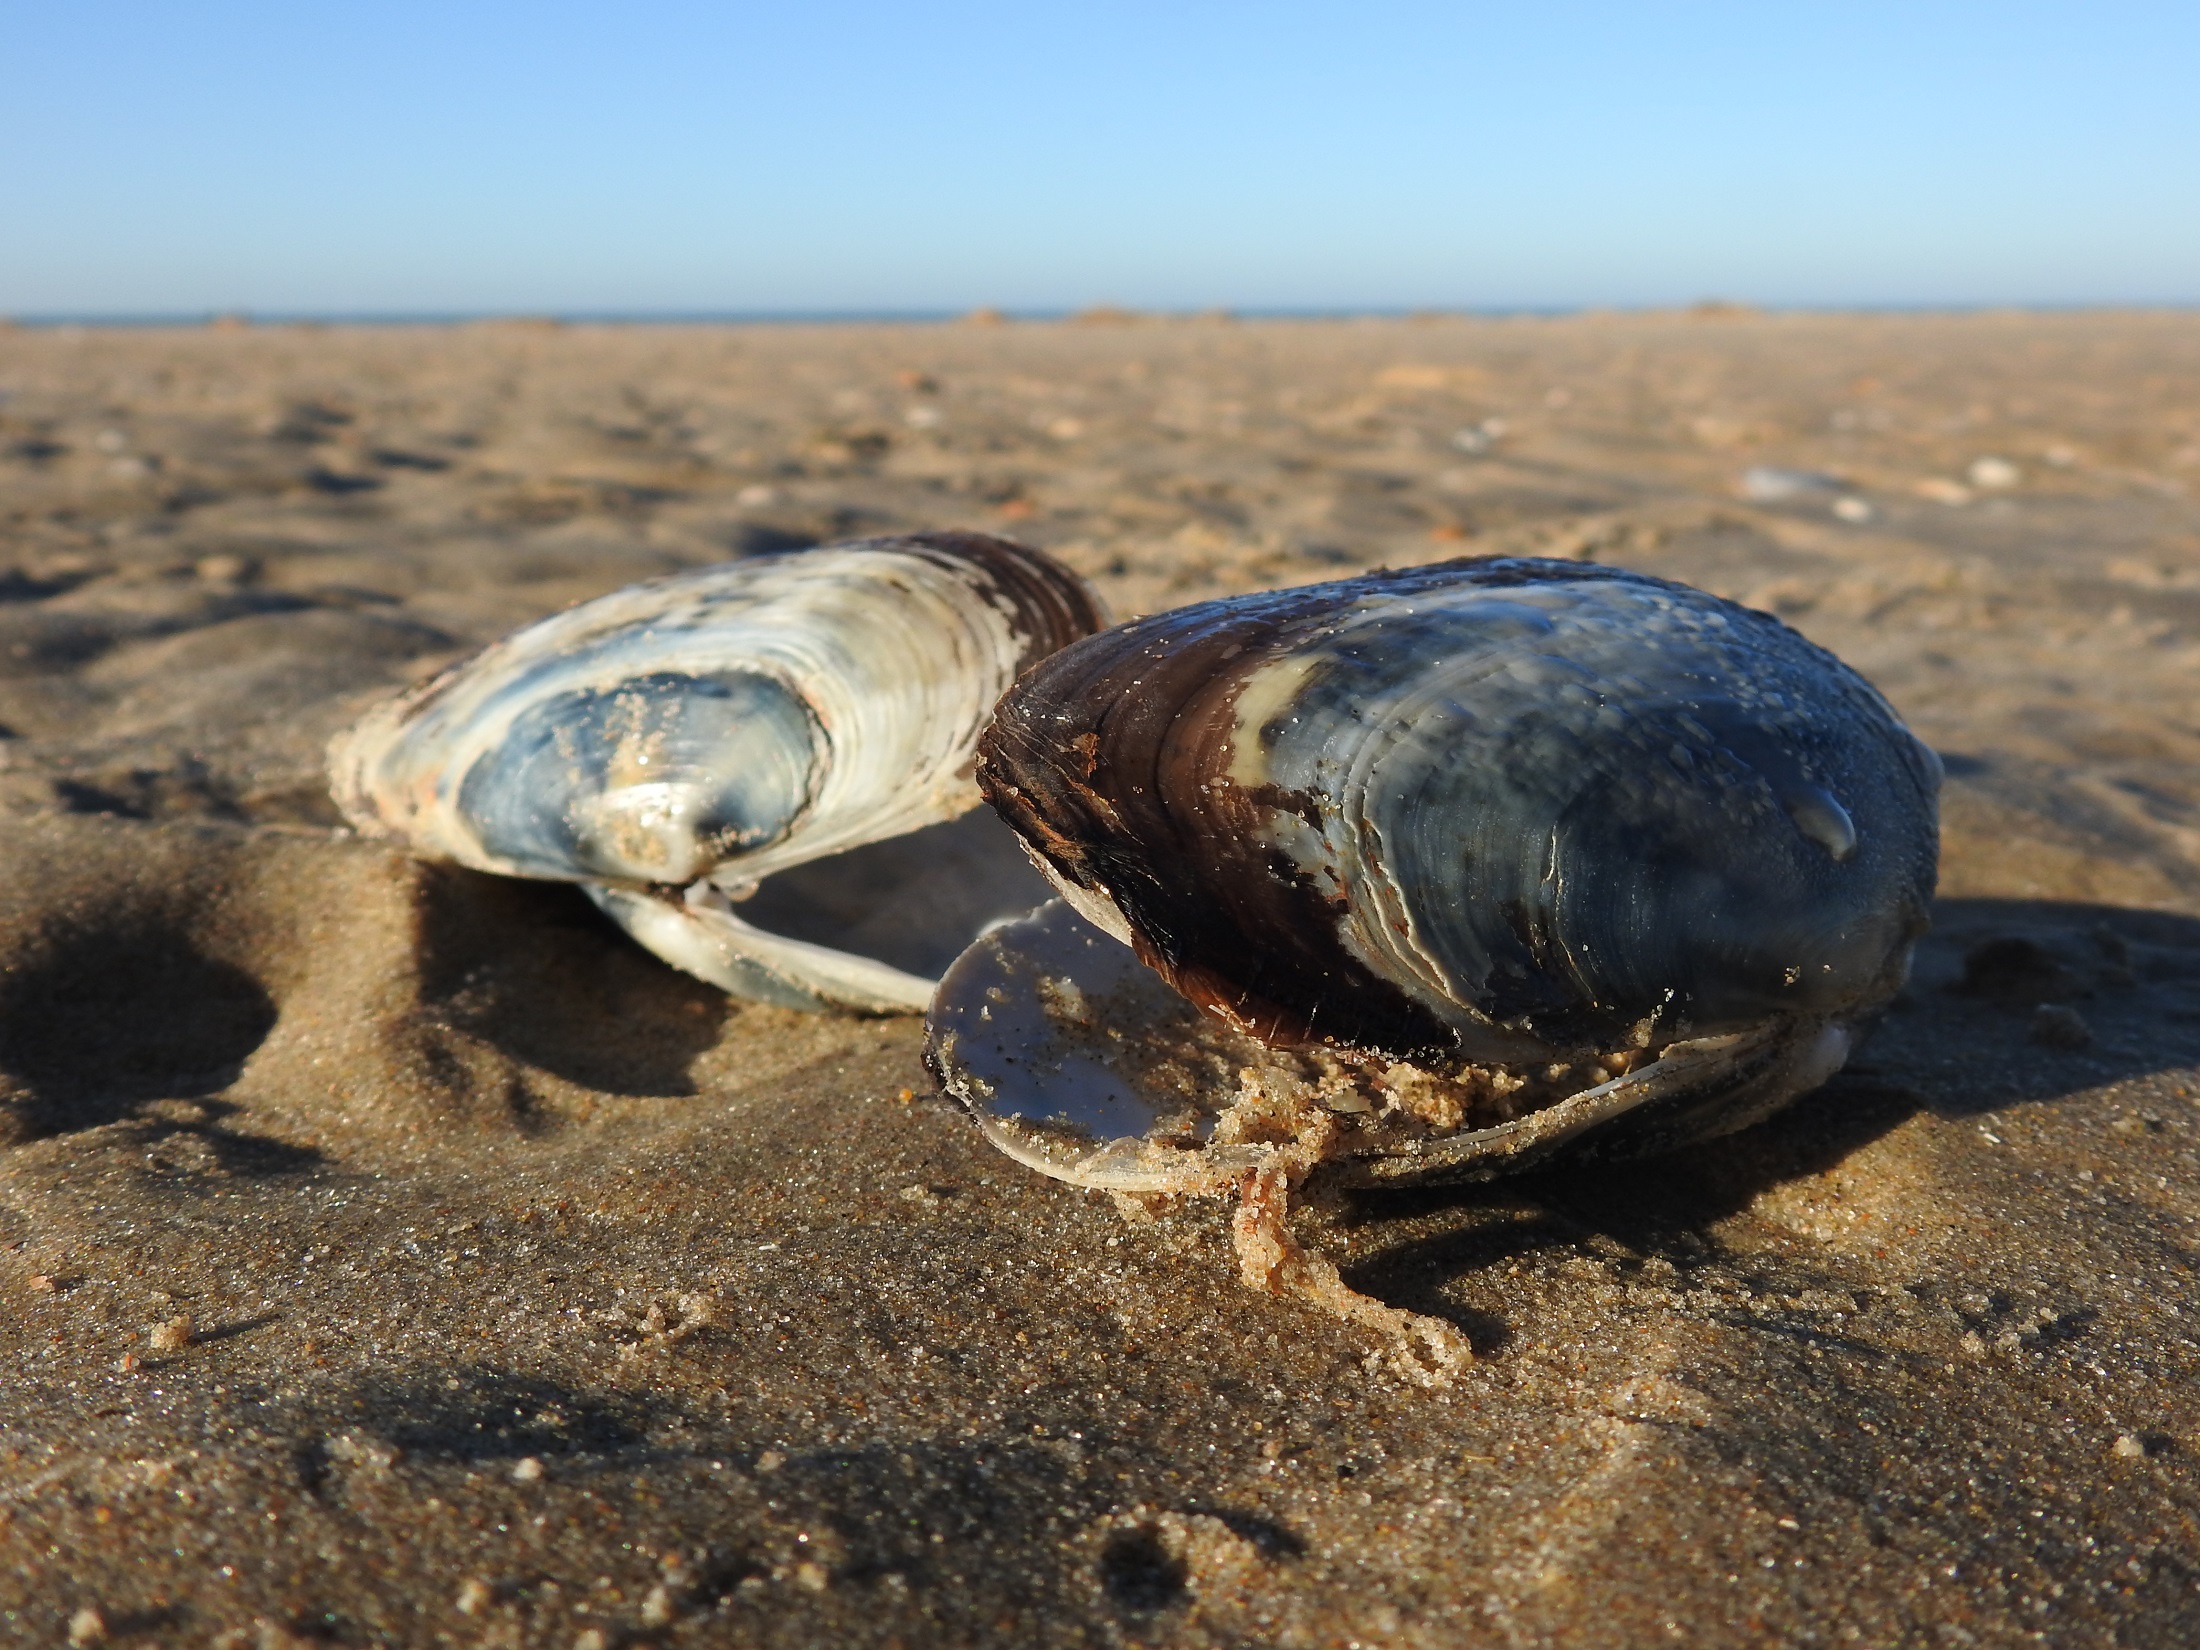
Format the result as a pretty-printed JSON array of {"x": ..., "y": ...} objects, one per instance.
[{"x": 394, "y": 1255}]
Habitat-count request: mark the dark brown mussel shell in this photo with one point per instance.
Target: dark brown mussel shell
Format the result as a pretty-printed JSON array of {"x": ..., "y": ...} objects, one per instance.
[{"x": 1619, "y": 862}]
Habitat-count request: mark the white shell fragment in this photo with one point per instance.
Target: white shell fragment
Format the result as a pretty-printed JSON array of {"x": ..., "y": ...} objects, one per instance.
[{"x": 673, "y": 745}]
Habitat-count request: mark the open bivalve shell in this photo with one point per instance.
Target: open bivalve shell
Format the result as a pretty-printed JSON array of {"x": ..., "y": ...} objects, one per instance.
[
  {"x": 685, "y": 744},
  {"x": 1430, "y": 875}
]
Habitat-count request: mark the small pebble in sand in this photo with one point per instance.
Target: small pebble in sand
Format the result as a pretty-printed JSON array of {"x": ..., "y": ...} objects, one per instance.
[
  {"x": 223, "y": 569},
  {"x": 1940, "y": 490},
  {"x": 594, "y": 1639},
  {"x": 2015, "y": 969},
  {"x": 2057, "y": 1026},
  {"x": 1772, "y": 484},
  {"x": 174, "y": 1335},
  {"x": 770, "y": 1461},
  {"x": 1989, "y": 474},
  {"x": 474, "y": 1597},
  {"x": 812, "y": 1576},
  {"x": 360, "y": 1450},
  {"x": 527, "y": 1470},
  {"x": 261, "y": 1635},
  {"x": 1854, "y": 511},
  {"x": 2130, "y": 1447},
  {"x": 87, "y": 1626},
  {"x": 657, "y": 1607},
  {"x": 43, "y": 1284}
]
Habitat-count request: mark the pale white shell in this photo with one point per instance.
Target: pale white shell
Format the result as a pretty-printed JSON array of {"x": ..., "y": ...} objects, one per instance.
[{"x": 671, "y": 745}]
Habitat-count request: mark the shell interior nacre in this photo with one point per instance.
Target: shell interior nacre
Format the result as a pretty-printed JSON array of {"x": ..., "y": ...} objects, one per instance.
[{"x": 656, "y": 779}]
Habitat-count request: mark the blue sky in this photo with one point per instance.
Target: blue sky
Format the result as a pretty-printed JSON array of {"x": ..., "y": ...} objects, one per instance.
[{"x": 842, "y": 155}]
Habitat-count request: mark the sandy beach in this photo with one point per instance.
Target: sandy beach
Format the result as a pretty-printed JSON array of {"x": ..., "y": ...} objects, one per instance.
[{"x": 395, "y": 1255}]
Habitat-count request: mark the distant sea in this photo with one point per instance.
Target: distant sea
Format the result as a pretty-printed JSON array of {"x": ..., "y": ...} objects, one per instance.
[
  {"x": 752, "y": 318},
  {"x": 934, "y": 317}
]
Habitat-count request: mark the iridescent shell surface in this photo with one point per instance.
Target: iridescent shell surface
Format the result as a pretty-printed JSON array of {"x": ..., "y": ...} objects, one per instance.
[
  {"x": 673, "y": 745},
  {"x": 1503, "y": 814}
]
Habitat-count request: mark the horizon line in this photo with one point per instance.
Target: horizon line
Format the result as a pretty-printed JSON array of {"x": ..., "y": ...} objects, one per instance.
[{"x": 1096, "y": 314}]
